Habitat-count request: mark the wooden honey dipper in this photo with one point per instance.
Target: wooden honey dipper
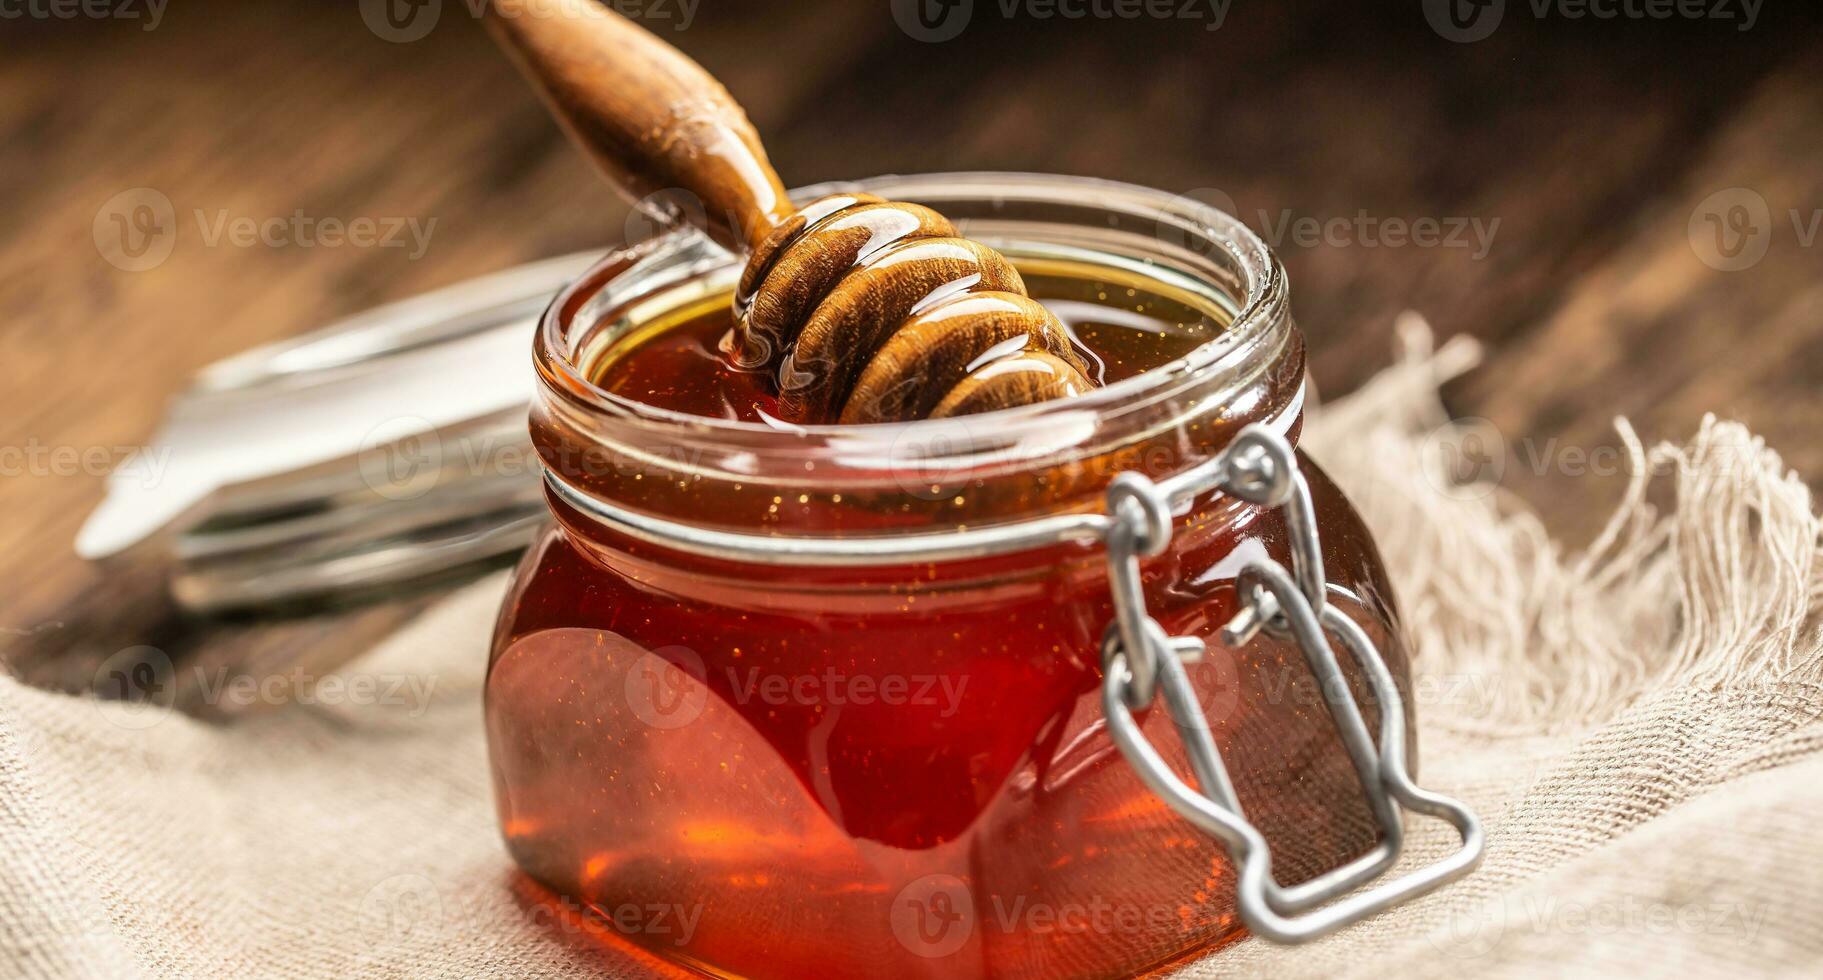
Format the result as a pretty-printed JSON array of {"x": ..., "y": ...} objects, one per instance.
[{"x": 866, "y": 310}]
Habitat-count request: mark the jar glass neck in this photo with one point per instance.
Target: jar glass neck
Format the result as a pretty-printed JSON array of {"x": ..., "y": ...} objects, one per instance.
[{"x": 968, "y": 472}]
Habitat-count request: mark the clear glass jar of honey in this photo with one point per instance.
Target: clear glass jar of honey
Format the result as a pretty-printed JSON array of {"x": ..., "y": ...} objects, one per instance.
[{"x": 924, "y": 699}]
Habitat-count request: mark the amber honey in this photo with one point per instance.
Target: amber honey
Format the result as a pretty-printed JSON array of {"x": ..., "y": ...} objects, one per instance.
[
  {"x": 900, "y": 770},
  {"x": 1121, "y": 325}
]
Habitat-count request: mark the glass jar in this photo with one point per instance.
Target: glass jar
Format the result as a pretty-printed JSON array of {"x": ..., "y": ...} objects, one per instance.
[{"x": 786, "y": 701}]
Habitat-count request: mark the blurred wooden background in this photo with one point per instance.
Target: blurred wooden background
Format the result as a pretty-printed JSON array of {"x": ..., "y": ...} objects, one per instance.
[{"x": 1597, "y": 146}]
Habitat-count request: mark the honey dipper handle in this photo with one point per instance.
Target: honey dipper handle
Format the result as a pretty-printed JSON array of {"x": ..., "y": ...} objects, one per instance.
[{"x": 653, "y": 119}]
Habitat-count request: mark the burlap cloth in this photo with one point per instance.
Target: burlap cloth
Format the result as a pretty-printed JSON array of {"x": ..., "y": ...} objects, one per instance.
[{"x": 1636, "y": 722}]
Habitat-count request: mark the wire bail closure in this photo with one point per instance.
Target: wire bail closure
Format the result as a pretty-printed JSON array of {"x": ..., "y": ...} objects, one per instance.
[{"x": 1141, "y": 662}]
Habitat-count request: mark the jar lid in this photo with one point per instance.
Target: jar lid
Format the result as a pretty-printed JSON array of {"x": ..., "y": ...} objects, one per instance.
[{"x": 382, "y": 449}]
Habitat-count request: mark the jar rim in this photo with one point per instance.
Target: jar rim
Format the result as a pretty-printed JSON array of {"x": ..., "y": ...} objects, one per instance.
[{"x": 1207, "y": 240}]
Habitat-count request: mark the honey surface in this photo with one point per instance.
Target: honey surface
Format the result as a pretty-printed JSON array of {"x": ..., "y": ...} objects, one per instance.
[{"x": 1119, "y": 327}]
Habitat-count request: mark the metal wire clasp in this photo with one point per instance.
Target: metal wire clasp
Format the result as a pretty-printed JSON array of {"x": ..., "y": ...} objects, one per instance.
[{"x": 1141, "y": 661}]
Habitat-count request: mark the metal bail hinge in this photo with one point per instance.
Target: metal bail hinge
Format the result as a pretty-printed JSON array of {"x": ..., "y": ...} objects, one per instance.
[{"x": 1142, "y": 661}]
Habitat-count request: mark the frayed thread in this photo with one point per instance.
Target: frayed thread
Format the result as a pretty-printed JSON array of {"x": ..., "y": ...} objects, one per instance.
[{"x": 1721, "y": 592}]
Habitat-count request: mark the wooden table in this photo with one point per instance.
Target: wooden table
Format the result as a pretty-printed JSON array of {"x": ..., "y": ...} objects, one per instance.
[{"x": 1596, "y": 146}]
